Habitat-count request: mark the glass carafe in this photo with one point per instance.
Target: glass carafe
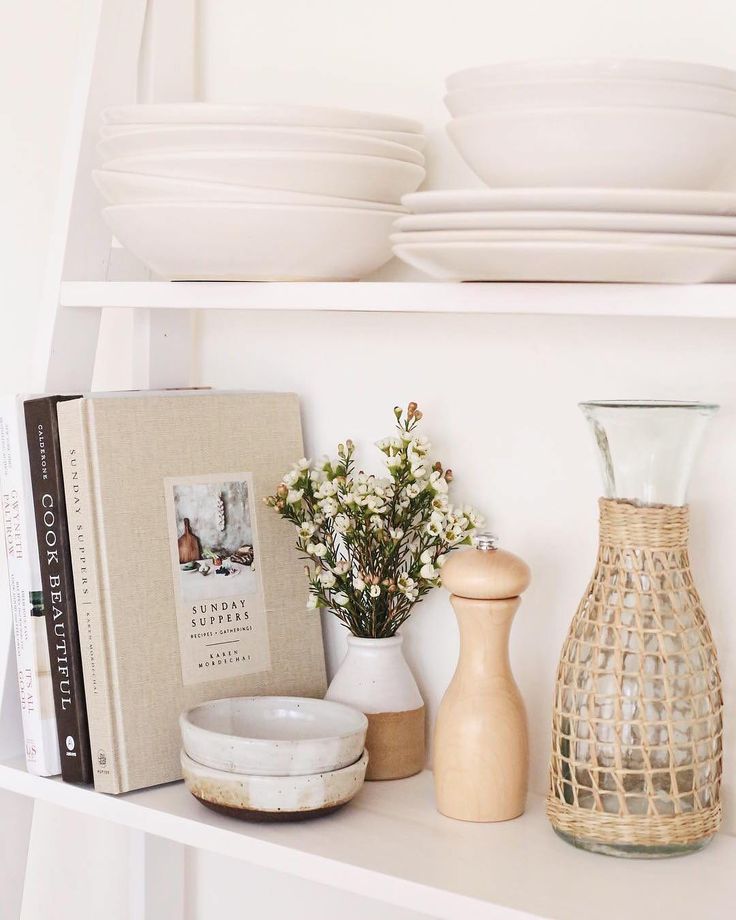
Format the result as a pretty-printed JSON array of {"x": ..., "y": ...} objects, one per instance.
[{"x": 637, "y": 726}]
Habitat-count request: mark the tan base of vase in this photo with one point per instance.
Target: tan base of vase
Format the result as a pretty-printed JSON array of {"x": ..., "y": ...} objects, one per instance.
[{"x": 395, "y": 744}]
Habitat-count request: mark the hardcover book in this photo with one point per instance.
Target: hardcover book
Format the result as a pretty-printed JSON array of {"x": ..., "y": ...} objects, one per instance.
[
  {"x": 187, "y": 585},
  {"x": 25, "y": 596},
  {"x": 58, "y": 587}
]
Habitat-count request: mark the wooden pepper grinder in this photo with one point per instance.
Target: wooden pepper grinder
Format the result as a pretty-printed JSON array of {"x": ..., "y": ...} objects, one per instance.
[{"x": 481, "y": 745}]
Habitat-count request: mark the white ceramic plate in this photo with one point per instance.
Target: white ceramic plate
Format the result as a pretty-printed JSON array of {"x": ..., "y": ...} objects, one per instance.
[
  {"x": 273, "y": 797},
  {"x": 406, "y": 138},
  {"x": 592, "y": 69},
  {"x": 565, "y": 236},
  {"x": 567, "y": 220},
  {"x": 564, "y": 93},
  {"x": 604, "y": 147},
  {"x": 132, "y": 188},
  {"x": 584, "y": 262},
  {"x": 230, "y": 241},
  {"x": 274, "y": 735},
  {"x": 337, "y": 174},
  {"x": 659, "y": 201},
  {"x": 194, "y": 113},
  {"x": 237, "y": 138}
]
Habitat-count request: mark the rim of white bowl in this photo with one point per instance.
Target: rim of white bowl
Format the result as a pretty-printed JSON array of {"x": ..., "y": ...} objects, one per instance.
[
  {"x": 250, "y": 205},
  {"x": 593, "y": 109},
  {"x": 355, "y": 767},
  {"x": 333, "y": 704}
]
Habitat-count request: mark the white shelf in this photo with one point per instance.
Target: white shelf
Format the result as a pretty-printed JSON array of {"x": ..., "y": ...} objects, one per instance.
[
  {"x": 699, "y": 301},
  {"x": 391, "y": 844}
]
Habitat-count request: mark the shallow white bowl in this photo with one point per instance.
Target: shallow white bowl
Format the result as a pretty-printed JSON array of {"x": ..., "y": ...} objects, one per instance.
[
  {"x": 643, "y": 200},
  {"x": 237, "y": 138},
  {"x": 566, "y": 236},
  {"x": 274, "y": 735},
  {"x": 604, "y": 147},
  {"x": 338, "y": 174},
  {"x": 559, "y": 261},
  {"x": 406, "y": 138},
  {"x": 568, "y": 220},
  {"x": 131, "y": 188},
  {"x": 572, "y": 93},
  {"x": 228, "y": 241},
  {"x": 592, "y": 68},
  {"x": 219, "y": 114},
  {"x": 273, "y": 798}
]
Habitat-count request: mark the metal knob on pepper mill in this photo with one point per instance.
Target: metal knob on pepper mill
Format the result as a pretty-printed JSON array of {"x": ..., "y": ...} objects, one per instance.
[{"x": 481, "y": 745}]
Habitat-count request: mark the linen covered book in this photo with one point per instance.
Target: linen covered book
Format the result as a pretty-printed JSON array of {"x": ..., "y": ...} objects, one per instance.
[{"x": 187, "y": 585}]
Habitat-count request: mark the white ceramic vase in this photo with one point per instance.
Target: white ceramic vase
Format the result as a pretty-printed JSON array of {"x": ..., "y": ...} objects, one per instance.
[{"x": 375, "y": 678}]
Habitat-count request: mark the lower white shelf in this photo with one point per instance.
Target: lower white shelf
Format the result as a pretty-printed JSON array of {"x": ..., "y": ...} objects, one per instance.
[{"x": 392, "y": 845}]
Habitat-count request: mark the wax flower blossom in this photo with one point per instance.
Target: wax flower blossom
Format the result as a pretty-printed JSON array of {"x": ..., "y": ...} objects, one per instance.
[{"x": 374, "y": 546}]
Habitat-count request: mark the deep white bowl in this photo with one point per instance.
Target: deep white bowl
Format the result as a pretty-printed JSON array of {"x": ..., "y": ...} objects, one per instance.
[
  {"x": 132, "y": 188},
  {"x": 239, "y": 138},
  {"x": 592, "y": 68},
  {"x": 573, "y": 93},
  {"x": 229, "y": 241},
  {"x": 406, "y": 138},
  {"x": 338, "y": 174},
  {"x": 274, "y": 735},
  {"x": 273, "y": 798},
  {"x": 600, "y": 147},
  {"x": 218, "y": 114}
]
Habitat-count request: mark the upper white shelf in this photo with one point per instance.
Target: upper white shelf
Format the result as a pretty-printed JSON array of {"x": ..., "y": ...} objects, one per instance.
[
  {"x": 391, "y": 844},
  {"x": 699, "y": 301}
]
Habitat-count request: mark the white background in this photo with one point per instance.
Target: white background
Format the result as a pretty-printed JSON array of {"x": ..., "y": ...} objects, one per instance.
[{"x": 499, "y": 393}]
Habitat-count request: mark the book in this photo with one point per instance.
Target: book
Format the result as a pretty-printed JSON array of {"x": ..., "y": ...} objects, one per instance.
[
  {"x": 58, "y": 587},
  {"x": 25, "y": 594},
  {"x": 165, "y": 622}
]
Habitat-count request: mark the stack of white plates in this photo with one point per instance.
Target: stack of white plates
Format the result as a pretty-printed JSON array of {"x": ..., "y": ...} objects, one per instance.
[
  {"x": 613, "y": 170},
  {"x": 251, "y": 192},
  {"x": 573, "y": 234}
]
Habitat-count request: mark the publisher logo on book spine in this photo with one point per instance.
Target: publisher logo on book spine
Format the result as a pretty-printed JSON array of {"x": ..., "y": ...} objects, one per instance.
[{"x": 101, "y": 759}]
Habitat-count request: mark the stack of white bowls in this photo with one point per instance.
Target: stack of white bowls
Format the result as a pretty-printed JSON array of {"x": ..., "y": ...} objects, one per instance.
[
  {"x": 600, "y": 170},
  {"x": 256, "y": 192},
  {"x": 272, "y": 757}
]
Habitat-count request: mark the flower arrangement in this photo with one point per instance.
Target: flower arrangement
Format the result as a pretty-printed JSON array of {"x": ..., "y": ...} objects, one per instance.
[{"x": 374, "y": 546}]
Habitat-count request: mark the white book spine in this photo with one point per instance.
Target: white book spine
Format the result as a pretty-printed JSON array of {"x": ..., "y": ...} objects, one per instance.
[{"x": 25, "y": 595}]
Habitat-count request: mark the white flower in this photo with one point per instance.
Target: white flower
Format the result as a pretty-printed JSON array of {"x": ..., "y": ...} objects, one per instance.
[
  {"x": 441, "y": 560},
  {"x": 396, "y": 533},
  {"x": 419, "y": 446},
  {"x": 312, "y": 602},
  {"x": 426, "y": 557},
  {"x": 342, "y": 523},
  {"x": 306, "y": 529},
  {"x": 327, "y": 579},
  {"x": 405, "y": 584},
  {"x": 394, "y": 461},
  {"x": 350, "y": 498},
  {"x": 375, "y": 503},
  {"x": 377, "y": 522},
  {"x": 326, "y": 489},
  {"x": 375, "y": 590},
  {"x": 294, "y": 496},
  {"x": 388, "y": 444},
  {"x": 414, "y": 489},
  {"x": 406, "y": 436},
  {"x": 418, "y": 470},
  {"x": 359, "y": 584},
  {"x": 291, "y": 478},
  {"x": 437, "y": 482},
  {"x": 317, "y": 476},
  {"x": 302, "y": 465},
  {"x": 329, "y": 506},
  {"x": 341, "y": 599},
  {"x": 439, "y": 503},
  {"x": 320, "y": 550},
  {"x": 341, "y": 567},
  {"x": 429, "y": 572},
  {"x": 433, "y": 529}
]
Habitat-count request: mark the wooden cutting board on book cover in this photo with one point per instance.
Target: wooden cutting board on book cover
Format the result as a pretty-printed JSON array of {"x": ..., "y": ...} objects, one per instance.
[{"x": 163, "y": 492}]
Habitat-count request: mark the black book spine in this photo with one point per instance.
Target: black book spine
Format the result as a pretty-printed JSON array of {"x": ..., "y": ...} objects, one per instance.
[{"x": 57, "y": 580}]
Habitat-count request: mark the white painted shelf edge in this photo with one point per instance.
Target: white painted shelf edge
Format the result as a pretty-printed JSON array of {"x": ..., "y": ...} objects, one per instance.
[
  {"x": 665, "y": 300},
  {"x": 391, "y": 844}
]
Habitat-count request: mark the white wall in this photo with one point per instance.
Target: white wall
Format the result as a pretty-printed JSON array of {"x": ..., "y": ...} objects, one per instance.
[{"x": 499, "y": 393}]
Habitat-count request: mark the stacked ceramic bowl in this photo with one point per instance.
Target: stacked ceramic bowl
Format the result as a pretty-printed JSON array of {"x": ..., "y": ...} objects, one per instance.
[
  {"x": 613, "y": 170},
  {"x": 273, "y": 758},
  {"x": 249, "y": 192}
]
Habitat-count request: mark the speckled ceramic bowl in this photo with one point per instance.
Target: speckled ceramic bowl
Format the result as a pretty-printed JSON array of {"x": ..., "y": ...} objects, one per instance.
[
  {"x": 273, "y": 798},
  {"x": 274, "y": 735}
]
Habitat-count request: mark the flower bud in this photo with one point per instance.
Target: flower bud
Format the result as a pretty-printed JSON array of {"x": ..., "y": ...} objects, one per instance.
[
  {"x": 398, "y": 412},
  {"x": 411, "y": 409},
  {"x": 282, "y": 491},
  {"x": 449, "y": 476},
  {"x": 349, "y": 444},
  {"x": 418, "y": 415}
]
